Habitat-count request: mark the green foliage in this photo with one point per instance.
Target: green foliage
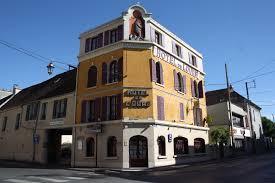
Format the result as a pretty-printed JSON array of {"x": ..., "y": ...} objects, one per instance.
[
  {"x": 209, "y": 119},
  {"x": 220, "y": 135},
  {"x": 268, "y": 127}
]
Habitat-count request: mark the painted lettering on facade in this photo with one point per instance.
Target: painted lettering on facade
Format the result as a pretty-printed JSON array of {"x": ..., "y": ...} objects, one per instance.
[
  {"x": 136, "y": 101},
  {"x": 174, "y": 61}
]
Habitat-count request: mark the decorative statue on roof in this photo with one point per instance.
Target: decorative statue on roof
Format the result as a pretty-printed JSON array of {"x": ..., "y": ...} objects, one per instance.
[{"x": 137, "y": 26}]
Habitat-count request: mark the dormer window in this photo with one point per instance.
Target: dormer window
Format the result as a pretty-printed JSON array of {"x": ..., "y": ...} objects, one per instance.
[
  {"x": 158, "y": 38},
  {"x": 178, "y": 50},
  {"x": 114, "y": 36},
  {"x": 194, "y": 61}
]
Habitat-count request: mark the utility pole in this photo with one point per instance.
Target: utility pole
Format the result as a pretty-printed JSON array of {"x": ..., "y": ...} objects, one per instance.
[
  {"x": 250, "y": 116},
  {"x": 229, "y": 87}
]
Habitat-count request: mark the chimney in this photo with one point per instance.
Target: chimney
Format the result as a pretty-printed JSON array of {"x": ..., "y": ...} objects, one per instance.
[{"x": 15, "y": 89}]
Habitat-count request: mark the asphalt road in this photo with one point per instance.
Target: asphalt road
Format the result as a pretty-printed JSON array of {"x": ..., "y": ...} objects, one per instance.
[{"x": 251, "y": 169}]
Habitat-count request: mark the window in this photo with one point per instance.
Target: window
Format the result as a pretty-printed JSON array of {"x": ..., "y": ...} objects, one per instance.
[
  {"x": 181, "y": 111},
  {"x": 113, "y": 74},
  {"x": 200, "y": 90},
  {"x": 4, "y": 125},
  {"x": 43, "y": 111},
  {"x": 17, "y": 122},
  {"x": 159, "y": 73},
  {"x": 160, "y": 107},
  {"x": 92, "y": 76},
  {"x": 111, "y": 147},
  {"x": 161, "y": 146},
  {"x": 32, "y": 111},
  {"x": 91, "y": 110},
  {"x": 88, "y": 45},
  {"x": 180, "y": 146},
  {"x": 90, "y": 147},
  {"x": 114, "y": 35},
  {"x": 180, "y": 82},
  {"x": 178, "y": 50},
  {"x": 94, "y": 43},
  {"x": 60, "y": 108},
  {"x": 197, "y": 112},
  {"x": 194, "y": 88},
  {"x": 158, "y": 38},
  {"x": 194, "y": 61},
  {"x": 199, "y": 145},
  {"x": 237, "y": 120},
  {"x": 111, "y": 107}
]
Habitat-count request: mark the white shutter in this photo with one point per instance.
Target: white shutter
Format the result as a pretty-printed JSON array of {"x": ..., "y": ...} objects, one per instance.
[{"x": 152, "y": 34}]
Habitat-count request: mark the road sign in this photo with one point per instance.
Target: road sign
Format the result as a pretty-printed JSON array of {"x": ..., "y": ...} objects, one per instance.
[{"x": 36, "y": 139}]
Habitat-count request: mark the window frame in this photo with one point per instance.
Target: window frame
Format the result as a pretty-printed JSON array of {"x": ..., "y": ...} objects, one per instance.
[
  {"x": 43, "y": 114},
  {"x": 184, "y": 147},
  {"x": 112, "y": 146},
  {"x": 60, "y": 108},
  {"x": 158, "y": 77},
  {"x": 113, "y": 72},
  {"x": 200, "y": 149},
  {"x": 90, "y": 82},
  {"x": 4, "y": 124},
  {"x": 158, "y": 38},
  {"x": 17, "y": 121},
  {"x": 178, "y": 50},
  {"x": 90, "y": 142},
  {"x": 161, "y": 146}
]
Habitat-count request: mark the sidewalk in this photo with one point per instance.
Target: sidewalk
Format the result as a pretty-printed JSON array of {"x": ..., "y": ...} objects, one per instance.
[{"x": 18, "y": 164}]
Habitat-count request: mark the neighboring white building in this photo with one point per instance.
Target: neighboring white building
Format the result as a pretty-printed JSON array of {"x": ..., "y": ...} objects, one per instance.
[
  {"x": 218, "y": 109},
  {"x": 4, "y": 93}
]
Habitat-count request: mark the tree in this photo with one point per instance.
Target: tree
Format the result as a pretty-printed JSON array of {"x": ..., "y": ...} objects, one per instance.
[
  {"x": 220, "y": 136},
  {"x": 268, "y": 127}
]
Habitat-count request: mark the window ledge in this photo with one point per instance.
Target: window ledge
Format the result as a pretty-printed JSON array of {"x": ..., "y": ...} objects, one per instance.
[
  {"x": 111, "y": 158},
  {"x": 181, "y": 120},
  {"x": 181, "y": 92},
  {"x": 107, "y": 84},
  {"x": 162, "y": 157},
  {"x": 161, "y": 85},
  {"x": 89, "y": 157},
  {"x": 92, "y": 87},
  {"x": 180, "y": 155},
  {"x": 200, "y": 154}
]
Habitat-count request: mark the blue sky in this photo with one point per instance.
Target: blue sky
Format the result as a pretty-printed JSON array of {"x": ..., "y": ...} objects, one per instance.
[{"x": 240, "y": 33}]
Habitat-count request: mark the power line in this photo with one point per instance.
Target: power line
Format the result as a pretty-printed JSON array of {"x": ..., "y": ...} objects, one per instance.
[{"x": 32, "y": 54}]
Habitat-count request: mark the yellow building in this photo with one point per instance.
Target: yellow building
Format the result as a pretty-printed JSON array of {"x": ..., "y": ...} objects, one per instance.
[{"x": 140, "y": 96}]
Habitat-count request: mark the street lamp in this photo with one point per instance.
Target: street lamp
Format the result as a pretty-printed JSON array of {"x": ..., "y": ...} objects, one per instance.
[{"x": 50, "y": 68}]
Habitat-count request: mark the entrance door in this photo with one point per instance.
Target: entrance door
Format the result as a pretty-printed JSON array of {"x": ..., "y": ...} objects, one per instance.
[{"x": 138, "y": 151}]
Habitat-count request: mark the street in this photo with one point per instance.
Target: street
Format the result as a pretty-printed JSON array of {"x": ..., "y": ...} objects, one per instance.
[{"x": 250, "y": 169}]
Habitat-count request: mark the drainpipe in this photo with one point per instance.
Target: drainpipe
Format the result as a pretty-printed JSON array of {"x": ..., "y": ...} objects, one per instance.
[
  {"x": 34, "y": 131},
  {"x": 74, "y": 127}
]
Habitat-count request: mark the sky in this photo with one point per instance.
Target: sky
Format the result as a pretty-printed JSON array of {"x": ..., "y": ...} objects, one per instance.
[{"x": 239, "y": 33}]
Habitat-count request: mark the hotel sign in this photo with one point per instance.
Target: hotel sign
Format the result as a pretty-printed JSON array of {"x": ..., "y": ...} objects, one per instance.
[
  {"x": 136, "y": 101},
  {"x": 157, "y": 52}
]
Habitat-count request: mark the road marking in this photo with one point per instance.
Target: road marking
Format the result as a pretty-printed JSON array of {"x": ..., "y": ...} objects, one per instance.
[
  {"x": 75, "y": 178},
  {"x": 48, "y": 179},
  {"x": 19, "y": 181},
  {"x": 87, "y": 173}
]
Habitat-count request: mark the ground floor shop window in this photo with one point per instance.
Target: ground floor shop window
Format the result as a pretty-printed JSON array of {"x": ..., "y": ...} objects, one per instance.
[
  {"x": 239, "y": 144},
  {"x": 161, "y": 146},
  {"x": 111, "y": 147},
  {"x": 199, "y": 145},
  {"x": 90, "y": 147},
  {"x": 180, "y": 146}
]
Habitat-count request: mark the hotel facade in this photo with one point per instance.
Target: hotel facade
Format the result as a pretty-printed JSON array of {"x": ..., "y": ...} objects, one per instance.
[{"x": 140, "y": 98}]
